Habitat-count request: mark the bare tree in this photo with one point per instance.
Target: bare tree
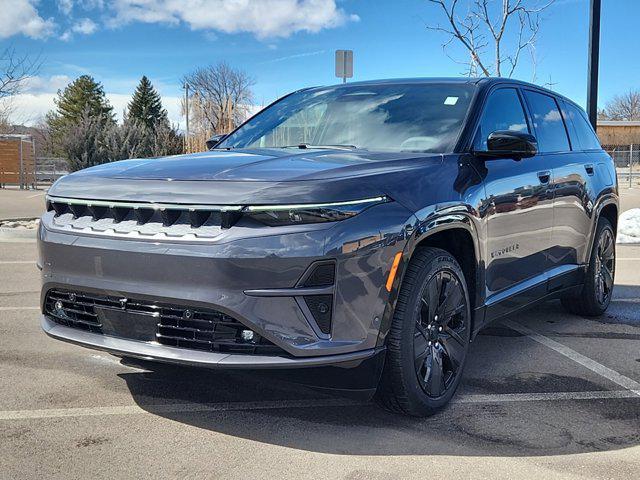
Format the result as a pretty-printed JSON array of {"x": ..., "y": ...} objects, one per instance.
[
  {"x": 15, "y": 70},
  {"x": 220, "y": 97},
  {"x": 486, "y": 28},
  {"x": 623, "y": 107}
]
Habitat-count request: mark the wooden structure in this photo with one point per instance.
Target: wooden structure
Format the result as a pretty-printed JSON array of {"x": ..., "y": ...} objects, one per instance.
[
  {"x": 17, "y": 161},
  {"x": 618, "y": 133}
]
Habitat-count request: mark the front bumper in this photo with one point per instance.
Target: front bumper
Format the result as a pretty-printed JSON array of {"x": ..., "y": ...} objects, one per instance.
[
  {"x": 184, "y": 356},
  {"x": 247, "y": 275}
]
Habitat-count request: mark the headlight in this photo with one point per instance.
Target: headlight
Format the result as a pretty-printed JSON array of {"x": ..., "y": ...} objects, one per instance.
[{"x": 276, "y": 215}]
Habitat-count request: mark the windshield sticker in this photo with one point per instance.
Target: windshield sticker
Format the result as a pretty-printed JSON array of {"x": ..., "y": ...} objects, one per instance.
[{"x": 451, "y": 100}]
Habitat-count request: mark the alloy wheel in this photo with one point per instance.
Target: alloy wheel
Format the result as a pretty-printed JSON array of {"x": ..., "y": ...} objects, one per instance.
[
  {"x": 605, "y": 265},
  {"x": 440, "y": 336}
]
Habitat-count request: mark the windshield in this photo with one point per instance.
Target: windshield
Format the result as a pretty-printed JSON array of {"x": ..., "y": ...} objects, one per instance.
[{"x": 395, "y": 117}]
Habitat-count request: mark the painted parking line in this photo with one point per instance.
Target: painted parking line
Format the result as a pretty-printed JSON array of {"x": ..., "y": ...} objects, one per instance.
[
  {"x": 17, "y": 262},
  {"x": 606, "y": 372},
  {"x": 546, "y": 396},
  {"x": 280, "y": 404},
  {"x": 17, "y": 309}
]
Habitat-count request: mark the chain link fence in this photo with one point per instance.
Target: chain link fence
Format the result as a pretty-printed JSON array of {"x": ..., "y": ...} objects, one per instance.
[{"x": 627, "y": 162}]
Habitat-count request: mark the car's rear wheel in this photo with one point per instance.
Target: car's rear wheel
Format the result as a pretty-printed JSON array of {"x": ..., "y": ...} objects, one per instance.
[
  {"x": 429, "y": 336},
  {"x": 596, "y": 293}
]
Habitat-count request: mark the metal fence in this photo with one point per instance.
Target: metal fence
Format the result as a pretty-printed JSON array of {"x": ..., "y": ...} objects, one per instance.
[
  {"x": 49, "y": 169},
  {"x": 627, "y": 162}
]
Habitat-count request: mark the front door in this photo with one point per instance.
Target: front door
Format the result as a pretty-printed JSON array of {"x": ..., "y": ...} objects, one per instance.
[{"x": 517, "y": 211}]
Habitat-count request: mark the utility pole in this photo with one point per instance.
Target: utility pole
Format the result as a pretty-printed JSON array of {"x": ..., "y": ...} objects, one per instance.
[
  {"x": 186, "y": 109},
  {"x": 594, "y": 57}
]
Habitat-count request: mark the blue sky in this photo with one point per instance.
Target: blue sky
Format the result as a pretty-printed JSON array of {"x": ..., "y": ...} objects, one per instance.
[{"x": 287, "y": 44}]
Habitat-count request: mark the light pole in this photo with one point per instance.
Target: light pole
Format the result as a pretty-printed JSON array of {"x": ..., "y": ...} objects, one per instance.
[
  {"x": 594, "y": 57},
  {"x": 186, "y": 110}
]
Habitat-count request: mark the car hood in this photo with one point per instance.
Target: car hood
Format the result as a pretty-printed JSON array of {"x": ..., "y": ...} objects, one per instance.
[{"x": 243, "y": 176}]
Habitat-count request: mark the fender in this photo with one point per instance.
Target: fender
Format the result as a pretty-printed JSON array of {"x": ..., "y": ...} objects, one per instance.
[{"x": 430, "y": 221}]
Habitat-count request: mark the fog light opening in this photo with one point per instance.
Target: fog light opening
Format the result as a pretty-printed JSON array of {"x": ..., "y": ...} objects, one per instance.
[{"x": 248, "y": 336}]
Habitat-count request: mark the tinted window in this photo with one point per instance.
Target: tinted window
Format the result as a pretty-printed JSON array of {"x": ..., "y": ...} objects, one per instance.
[
  {"x": 547, "y": 122},
  {"x": 400, "y": 117},
  {"x": 586, "y": 138},
  {"x": 503, "y": 111}
]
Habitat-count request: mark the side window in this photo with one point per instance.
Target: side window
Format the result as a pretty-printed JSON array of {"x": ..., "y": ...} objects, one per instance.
[
  {"x": 586, "y": 137},
  {"x": 503, "y": 111},
  {"x": 547, "y": 122}
]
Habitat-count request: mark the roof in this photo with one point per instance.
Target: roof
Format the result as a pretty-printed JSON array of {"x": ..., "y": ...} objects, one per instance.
[
  {"x": 484, "y": 81},
  {"x": 423, "y": 80}
]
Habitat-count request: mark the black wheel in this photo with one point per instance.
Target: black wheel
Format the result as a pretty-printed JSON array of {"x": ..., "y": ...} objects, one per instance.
[
  {"x": 429, "y": 336},
  {"x": 596, "y": 293}
]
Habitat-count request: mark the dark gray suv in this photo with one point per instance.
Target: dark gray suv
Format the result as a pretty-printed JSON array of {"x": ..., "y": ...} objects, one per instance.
[{"x": 371, "y": 228}]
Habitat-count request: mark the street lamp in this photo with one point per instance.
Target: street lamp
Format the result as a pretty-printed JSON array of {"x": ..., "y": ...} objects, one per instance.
[{"x": 594, "y": 56}]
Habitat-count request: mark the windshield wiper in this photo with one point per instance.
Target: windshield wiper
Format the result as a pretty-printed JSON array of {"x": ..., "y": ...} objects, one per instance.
[{"x": 308, "y": 145}]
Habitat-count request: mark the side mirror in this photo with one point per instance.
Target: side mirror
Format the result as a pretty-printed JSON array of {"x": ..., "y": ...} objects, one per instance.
[
  {"x": 215, "y": 140},
  {"x": 510, "y": 144}
]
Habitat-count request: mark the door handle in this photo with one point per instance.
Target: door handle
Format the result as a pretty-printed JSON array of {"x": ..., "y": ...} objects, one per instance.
[
  {"x": 544, "y": 176},
  {"x": 589, "y": 169}
]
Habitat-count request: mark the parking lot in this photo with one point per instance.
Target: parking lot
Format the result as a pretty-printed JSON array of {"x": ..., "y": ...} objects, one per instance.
[{"x": 545, "y": 394}]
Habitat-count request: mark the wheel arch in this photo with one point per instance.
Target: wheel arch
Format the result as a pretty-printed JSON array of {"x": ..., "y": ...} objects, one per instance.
[
  {"x": 610, "y": 212},
  {"x": 455, "y": 234},
  {"x": 607, "y": 208}
]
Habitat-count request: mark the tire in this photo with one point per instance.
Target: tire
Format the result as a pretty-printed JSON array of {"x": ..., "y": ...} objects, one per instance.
[
  {"x": 595, "y": 296},
  {"x": 419, "y": 378}
]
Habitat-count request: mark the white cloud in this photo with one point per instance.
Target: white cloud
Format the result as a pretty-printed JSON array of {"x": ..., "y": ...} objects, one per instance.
[
  {"x": 263, "y": 18},
  {"x": 84, "y": 26},
  {"x": 21, "y": 16},
  {"x": 46, "y": 84},
  {"x": 65, "y": 6}
]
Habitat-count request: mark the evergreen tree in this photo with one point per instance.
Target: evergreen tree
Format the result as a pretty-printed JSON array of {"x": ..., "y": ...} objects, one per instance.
[
  {"x": 146, "y": 106},
  {"x": 83, "y": 96},
  {"x": 82, "y": 99}
]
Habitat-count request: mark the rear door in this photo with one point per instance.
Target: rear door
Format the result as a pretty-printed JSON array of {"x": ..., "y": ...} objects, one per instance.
[
  {"x": 568, "y": 162},
  {"x": 518, "y": 211},
  {"x": 587, "y": 165}
]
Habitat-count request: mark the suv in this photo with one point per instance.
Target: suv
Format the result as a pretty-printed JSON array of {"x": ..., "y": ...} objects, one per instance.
[{"x": 371, "y": 228}]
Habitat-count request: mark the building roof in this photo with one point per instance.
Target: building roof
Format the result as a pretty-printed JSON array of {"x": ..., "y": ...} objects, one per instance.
[{"x": 618, "y": 123}]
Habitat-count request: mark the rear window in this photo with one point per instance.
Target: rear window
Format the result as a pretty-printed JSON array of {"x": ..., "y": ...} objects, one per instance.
[
  {"x": 586, "y": 138},
  {"x": 547, "y": 122}
]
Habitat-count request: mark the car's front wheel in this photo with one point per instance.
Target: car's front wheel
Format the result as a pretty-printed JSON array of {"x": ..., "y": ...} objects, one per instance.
[{"x": 429, "y": 336}]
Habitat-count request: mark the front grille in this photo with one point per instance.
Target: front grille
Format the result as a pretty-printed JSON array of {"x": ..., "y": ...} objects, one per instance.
[
  {"x": 141, "y": 219},
  {"x": 173, "y": 325}
]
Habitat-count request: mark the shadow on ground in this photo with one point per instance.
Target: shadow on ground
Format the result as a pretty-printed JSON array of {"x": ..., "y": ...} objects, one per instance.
[{"x": 498, "y": 429}]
